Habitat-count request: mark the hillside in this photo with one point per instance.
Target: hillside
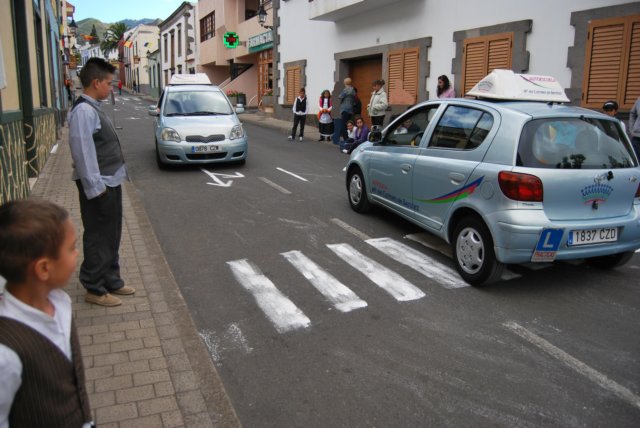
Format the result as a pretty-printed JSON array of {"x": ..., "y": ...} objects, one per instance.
[{"x": 85, "y": 25}]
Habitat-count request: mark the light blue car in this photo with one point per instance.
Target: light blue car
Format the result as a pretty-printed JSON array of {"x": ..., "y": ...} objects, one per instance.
[
  {"x": 506, "y": 182},
  {"x": 196, "y": 124}
]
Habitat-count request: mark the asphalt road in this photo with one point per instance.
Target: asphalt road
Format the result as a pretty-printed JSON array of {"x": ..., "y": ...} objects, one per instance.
[{"x": 556, "y": 346}]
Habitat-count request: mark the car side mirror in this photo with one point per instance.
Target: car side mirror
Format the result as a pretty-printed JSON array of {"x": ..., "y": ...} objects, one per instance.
[
  {"x": 375, "y": 136},
  {"x": 153, "y": 110}
]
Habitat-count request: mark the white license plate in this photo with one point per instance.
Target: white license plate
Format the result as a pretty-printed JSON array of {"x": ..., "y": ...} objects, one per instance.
[
  {"x": 204, "y": 149},
  {"x": 593, "y": 236}
]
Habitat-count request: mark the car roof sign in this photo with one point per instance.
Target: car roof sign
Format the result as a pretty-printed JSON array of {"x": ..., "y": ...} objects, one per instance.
[
  {"x": 507, "y": 85},
  {"x": 190, "y": 79}
]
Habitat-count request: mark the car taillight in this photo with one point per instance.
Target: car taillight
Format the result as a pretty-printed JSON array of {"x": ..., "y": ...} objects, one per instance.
[
  {"x": 520, "y": 187},
  {"x": 638, "y": 192}
]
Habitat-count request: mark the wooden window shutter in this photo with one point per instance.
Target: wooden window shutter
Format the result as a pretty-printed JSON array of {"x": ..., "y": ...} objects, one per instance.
[
  {"x": 632, "y": 81},
  {"x": 484, "y": 54},
  {"x": 612, "y": 62},
  {"x": 403, "y": 66},
  {"x": 293, "y": 84}
]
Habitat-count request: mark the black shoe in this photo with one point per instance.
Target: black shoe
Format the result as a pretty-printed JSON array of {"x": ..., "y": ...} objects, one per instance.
[{"x": 321, "y": 139}]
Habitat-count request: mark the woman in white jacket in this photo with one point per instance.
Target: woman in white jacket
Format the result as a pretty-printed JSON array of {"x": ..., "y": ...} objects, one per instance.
[{"x": 378, "y": 103}]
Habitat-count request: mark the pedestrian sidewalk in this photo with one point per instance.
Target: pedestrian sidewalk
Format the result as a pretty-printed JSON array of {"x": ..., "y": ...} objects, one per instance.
[{"x": 145, "y": 363}]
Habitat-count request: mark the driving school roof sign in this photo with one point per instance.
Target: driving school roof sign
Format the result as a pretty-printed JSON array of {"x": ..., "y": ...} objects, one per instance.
[
  {"x": 260, "y": 42},
  {"x": 507, "y": 85}
]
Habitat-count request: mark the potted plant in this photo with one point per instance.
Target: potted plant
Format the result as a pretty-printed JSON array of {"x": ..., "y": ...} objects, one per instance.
[
  {"x": 236, "y": 97},
  {"x": 267, "y": 98}
]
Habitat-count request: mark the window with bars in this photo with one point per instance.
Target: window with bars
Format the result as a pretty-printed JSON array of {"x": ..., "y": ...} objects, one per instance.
[
  {"x": 402, "y": 78},
  {"x": 612, "y": 62},
  {"x": 482, "y": 55},
  {"x": 207, "y": 27},
  {"x": 293, "y": 82}
]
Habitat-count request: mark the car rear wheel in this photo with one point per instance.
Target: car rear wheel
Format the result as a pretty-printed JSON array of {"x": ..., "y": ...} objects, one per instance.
[
  {"x": 358, "y": 192},
  {"x": 610, "y": 261},
  {"x": 473, "y": 252}
]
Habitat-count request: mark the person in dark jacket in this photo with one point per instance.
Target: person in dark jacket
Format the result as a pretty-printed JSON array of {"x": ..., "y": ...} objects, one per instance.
[
  {"x": 300, "y": 109},
  {"x": 361, "y": 135}
]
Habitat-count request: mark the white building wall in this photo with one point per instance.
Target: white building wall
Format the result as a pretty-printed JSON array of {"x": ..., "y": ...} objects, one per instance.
[
  {"x": 547, "y": 43},
  {"x": 183, "y": 60}
]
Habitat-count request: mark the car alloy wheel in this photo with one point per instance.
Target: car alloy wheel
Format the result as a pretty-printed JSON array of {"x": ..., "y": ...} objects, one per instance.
[
  {"x": 473, "y": 252},
  {"x": 358, "y": 192}
]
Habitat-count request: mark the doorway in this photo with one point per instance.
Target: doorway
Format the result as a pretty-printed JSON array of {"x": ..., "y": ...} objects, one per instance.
[{"x": 363, "y": 72}]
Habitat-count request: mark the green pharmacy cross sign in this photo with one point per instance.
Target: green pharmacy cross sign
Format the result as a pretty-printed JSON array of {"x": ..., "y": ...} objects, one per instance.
[{"x": 231, "y": 39}]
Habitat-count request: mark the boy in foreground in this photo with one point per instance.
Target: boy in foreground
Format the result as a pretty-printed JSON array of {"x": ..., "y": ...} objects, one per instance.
[{"x": 41, "y": 370}]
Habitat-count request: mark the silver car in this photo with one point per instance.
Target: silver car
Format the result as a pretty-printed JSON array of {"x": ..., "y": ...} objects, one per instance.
[
  {"x": 196, "y": 124},
  {"x": 506, "y": 182}
]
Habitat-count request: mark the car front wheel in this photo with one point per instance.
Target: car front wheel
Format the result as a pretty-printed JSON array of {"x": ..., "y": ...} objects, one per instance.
[
  {"x": 473, "y": 252},
  {"x": 358, "y": 192},
  {"x": 161, "y": 165}
]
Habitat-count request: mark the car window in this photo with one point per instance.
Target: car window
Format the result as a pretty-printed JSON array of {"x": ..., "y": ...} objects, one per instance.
[
  {"x": 573, "y": 143},
  {"x": 409, "y": 129},
  {"x": 461, "y": 128},
  {"x": 196, "y": 103}
]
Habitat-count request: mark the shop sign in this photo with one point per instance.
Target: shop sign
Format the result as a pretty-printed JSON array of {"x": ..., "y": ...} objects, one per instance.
[{"x": 260, "y": 42}]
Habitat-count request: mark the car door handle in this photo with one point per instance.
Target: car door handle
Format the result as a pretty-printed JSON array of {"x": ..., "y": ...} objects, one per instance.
[
  {"x": 456, "y": 177},
  {"x": 405, "y": 167}
]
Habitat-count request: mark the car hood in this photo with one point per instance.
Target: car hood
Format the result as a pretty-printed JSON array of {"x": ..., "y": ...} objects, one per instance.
[{"x": 201, "y": 125}]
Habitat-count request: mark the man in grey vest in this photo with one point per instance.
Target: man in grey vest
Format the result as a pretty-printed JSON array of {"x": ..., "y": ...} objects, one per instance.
[{"x": 99, "y": 171}]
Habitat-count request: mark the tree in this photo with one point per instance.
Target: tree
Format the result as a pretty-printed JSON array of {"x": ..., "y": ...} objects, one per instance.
[
  {"x": 112, "y": 37},
  {"x": 94, "y": 36}
]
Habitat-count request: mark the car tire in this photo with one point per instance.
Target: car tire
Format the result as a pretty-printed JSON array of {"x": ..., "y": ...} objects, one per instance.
[
  {"x": 161, "y": 165},
  {"x": 357, "y": 192},
  {"x": 611, "y": 261},
  {"x": 473, "y": 252}
]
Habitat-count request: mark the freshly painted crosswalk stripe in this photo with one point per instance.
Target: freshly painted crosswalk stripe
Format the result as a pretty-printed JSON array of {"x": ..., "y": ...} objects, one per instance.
[
  {"x": 388, "y": 280},
  {"x": 282, "y": 312},
  {"x": 336, "y": 292},
  {"x": 429, "y": 267}
]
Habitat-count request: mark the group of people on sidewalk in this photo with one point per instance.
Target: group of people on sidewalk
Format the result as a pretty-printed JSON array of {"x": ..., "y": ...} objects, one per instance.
[{"x": 354, "y": 131}]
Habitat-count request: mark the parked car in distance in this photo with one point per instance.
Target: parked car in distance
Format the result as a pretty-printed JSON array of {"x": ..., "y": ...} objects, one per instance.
[
  {"x": 196, "y": 124},
  {"x": 512, "y": 177}
]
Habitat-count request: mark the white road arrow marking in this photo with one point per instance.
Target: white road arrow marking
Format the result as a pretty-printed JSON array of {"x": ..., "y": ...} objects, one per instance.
[{"x": 217, "y": 178}]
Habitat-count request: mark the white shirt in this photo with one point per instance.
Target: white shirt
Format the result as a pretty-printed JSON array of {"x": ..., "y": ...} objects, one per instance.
[{"x": 56, "y": 328}]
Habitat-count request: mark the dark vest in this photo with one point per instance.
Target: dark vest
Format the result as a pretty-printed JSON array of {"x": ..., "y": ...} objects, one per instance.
[
  {"x": 301, "y": 105},
  {"x": 52, "y": 393},
  {"x": 108, "y": 149}
]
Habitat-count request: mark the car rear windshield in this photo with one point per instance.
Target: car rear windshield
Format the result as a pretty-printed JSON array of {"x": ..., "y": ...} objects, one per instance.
[
  {"x": 574, "y": 143},
  {"x": 196, "y": 103}
]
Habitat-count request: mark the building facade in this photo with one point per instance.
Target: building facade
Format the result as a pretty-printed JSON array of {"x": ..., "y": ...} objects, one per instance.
[
  {"x": 178, "y": 46},
  {"x": 235, "y": 49},
  {"x": 589, "y": 46},
  {"x": 33, "y": 101},
  {"x": 138, "y": 43}
]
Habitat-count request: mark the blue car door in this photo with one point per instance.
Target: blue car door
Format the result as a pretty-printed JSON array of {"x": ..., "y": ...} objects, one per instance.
[
  {"x": 442, "y": 170},
  {"x": 391, "y": 163}
]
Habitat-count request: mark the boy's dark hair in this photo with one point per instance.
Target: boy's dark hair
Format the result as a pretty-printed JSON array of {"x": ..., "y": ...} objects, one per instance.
[
  {"x": 610, "y": 106},
  {"x": 29, "y": 229},
  {"x": 95, "y": 68}
]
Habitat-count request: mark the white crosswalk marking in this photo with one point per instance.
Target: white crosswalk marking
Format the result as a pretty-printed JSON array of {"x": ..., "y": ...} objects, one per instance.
[
  {"x": 282, "y": 312},
  {"x": 336, "y": 292},
  {"x": 388, "y": 280},
  {"x": 418, "y": 261}
]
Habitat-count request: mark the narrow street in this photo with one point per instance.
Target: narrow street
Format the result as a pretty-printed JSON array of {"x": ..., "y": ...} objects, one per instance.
[{"x": 256, "y": 248}]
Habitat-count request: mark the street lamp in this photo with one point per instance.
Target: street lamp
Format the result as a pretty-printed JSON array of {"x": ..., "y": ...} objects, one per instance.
[
  {"x": 262, "y": 16},
  {"x": 73, "y": 27}
]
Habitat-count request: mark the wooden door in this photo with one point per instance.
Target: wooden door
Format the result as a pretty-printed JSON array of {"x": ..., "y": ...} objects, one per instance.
[{"x": 363, "y": 72}]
